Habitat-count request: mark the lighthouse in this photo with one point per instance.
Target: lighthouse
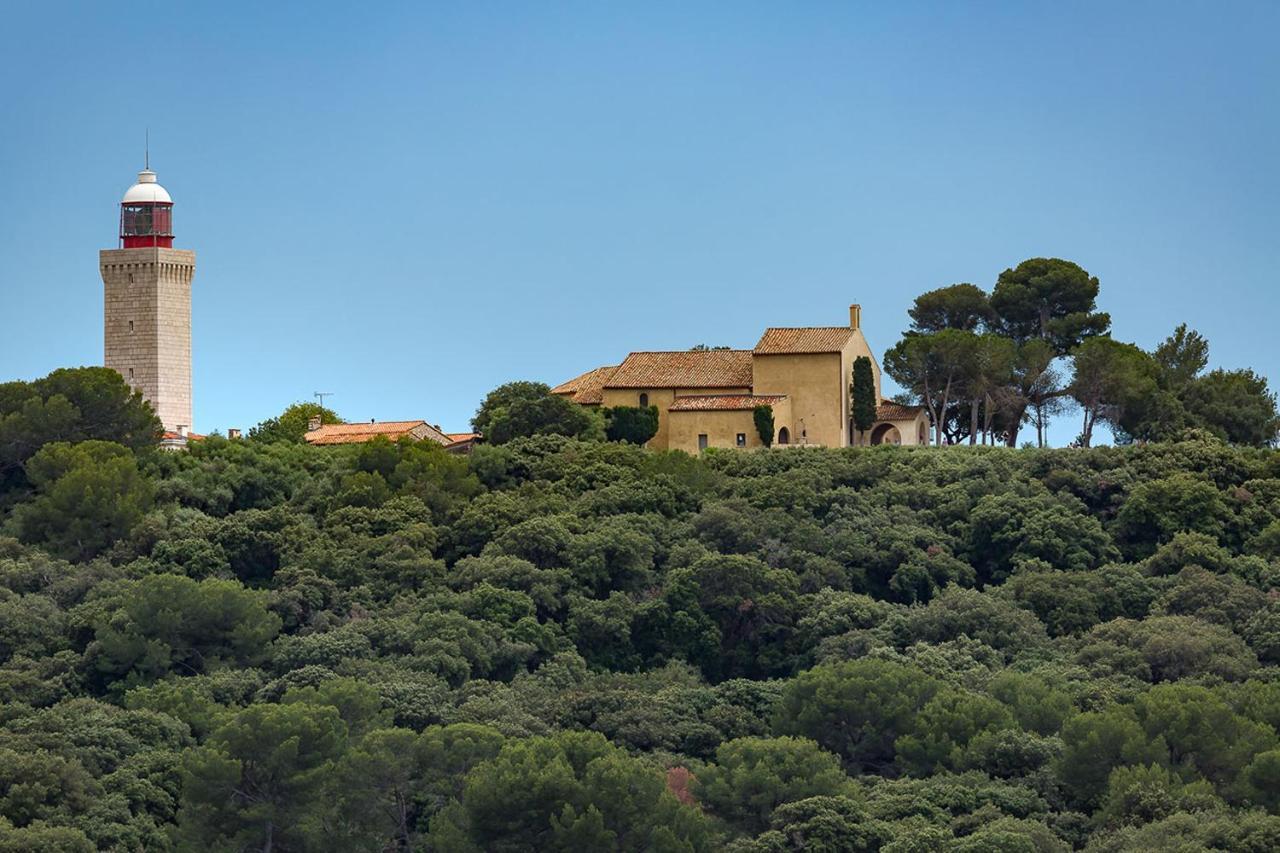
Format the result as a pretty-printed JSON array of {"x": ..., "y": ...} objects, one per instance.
[{"x": 147, "y": 303}]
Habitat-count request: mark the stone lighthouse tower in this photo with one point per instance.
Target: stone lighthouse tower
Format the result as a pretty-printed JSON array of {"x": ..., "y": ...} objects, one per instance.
[{"x": 147, "y": 289}]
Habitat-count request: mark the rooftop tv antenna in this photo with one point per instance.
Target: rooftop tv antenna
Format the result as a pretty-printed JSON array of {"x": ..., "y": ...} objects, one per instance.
[
  {"x": 320, "y": 395},
  {"x": 146, "y": 152}
]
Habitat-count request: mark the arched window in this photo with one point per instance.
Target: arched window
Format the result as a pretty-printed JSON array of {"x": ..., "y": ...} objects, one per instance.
[
  {"x": 784, "y": 436},
  {"x": 644, "y": 401}
]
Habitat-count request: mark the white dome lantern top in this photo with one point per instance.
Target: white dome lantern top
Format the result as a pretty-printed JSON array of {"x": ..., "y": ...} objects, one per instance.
[{"x": 146, "y": 190}]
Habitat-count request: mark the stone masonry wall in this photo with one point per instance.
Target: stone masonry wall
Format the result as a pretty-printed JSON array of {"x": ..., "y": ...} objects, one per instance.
[{"x": 147, "y": 325}]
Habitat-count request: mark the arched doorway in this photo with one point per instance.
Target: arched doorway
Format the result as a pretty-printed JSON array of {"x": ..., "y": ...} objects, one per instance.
[
  {"x": 784, "y": 436},
  {"x": 886, "y": 434}
]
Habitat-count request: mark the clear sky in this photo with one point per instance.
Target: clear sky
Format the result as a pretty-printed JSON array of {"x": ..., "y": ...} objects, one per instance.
[{"x": 407, "y": 204}]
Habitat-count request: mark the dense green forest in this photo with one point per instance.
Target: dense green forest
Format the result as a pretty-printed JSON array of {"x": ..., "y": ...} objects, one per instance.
[{"x": 570, "y": 644}]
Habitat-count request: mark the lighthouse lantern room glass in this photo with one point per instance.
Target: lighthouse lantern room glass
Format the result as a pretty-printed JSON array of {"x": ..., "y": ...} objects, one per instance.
[{"x": 146, "y": 214}]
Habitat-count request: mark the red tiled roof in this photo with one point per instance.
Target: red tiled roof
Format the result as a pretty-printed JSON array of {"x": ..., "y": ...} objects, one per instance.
[
  {"x": 723, "y": 402},
  {"x": 729, "y": 368},
  {"x": 169, "y": 435},
  {"x": 356, "y": 433},
  {"x": 588, "y": 388},
  {"x": 809, "y": 339},
  {"x": 456, "y": 437},
  {"x": 897, "y": 412}
]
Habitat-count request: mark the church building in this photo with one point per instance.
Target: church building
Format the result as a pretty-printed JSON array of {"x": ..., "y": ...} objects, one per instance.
[{"x": 707, "y": 398}]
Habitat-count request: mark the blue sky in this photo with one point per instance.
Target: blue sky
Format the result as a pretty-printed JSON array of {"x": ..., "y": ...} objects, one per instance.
[{"x": 408, "y": 204}]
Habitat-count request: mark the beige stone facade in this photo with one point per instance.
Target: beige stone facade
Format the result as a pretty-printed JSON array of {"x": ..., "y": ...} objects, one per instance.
[
  {"x": 147, "y": 326},
  {"x": 707, "y": 398}
]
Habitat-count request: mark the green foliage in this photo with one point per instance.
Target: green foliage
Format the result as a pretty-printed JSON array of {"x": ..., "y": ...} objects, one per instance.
[
  {"x": 751, "y": 777},
  {"x": 71, "y": 405},
  {"x": 856, "y": 709},
  {"x": 88, "y": 495},
  {"x": 1050, "y": 299},
  {"x": 821, "y": 825},
  {"x": 1234, "y": 405},
  {"x": 523, "y": 409},
  {"x": 162, "y": 624},
  {"x": 632, "y": 424},
  {"x": 573, "y": 644},
  {"x": 960, "y": 306},
  {"x": 292, "y": 424},
  {"x": 763, "y": 419},
  {"x": 944, "y": 727},
  {"x": 572, "y": 791},
  {"x": 257, "y": 780},
  {"x": 1112, "y": 382},
  {"x": 862, "y": 392}
]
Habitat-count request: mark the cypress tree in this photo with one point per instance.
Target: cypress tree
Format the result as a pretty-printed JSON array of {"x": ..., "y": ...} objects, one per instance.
[
  {"x": 863, "y": 390},
  {"x": 764, "y": 424}
]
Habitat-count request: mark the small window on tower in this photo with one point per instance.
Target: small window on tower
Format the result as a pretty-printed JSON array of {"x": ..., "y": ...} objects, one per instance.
[
  {"x": 131, "y": 278},
  {"x": 130, "y": 374},
  {"x": 130, "y": 325}
]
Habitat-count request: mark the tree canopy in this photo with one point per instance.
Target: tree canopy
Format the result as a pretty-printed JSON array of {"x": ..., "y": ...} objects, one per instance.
[
  {"x": 985, "y": 365},
  {"x": 567, "y": 643}
]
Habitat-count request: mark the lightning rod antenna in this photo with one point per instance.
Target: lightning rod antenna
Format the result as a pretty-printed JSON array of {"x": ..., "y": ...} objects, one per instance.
[{"x": 146, "y": 152}]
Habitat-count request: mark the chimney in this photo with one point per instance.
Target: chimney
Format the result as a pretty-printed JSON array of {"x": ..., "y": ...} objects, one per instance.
[
  {"x": 233, "y": 433},
  {"x": 182, "y": 430},
  {"x": 313, "y": 424},
  {"x": 855, "y": 316}
]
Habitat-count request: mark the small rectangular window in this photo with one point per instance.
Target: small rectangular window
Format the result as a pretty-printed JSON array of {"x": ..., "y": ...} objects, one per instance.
[
  {"x": 702, "y": 441},
  {"x": 742, "y": 439},
  {"x": 130, "y": 374},
  {"x": 130, "y": 325}
]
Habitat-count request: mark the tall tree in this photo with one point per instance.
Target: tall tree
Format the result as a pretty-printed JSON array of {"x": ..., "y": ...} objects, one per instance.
[
  {"x": 987, "y": 380},
  {"x": 932, "y": 367},
  {"x": 1235, "y": 405},
  {"x": 960, "y": 306},
  {"x": 863, "y": 393},
  {"x": 1181, "y": 357},
  {"x": 1109, "y": 379},
  {"x": 1048, "y": 306},
  {"x": 1050, "y": 299}
]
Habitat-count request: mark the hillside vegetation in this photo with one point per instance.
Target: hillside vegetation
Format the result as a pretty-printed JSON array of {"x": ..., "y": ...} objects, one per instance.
[{"x": 558, "y": 644}]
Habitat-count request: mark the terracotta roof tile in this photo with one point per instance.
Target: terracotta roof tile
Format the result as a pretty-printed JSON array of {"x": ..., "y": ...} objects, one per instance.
[
  {"x": 723, "y": 402},
  {"x": 809, "y": 339},
  {"x": 356, "y": 433},
  {"x": 685, "y": 369},
  {"x": 897, "y": 412},
  {"x": 587, "y": 388}
]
